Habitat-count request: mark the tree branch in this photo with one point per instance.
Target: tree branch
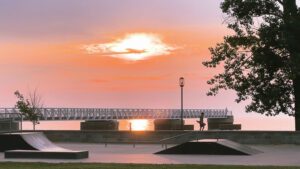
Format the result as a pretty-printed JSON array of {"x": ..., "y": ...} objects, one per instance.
[{"x": 280, "y": 1}]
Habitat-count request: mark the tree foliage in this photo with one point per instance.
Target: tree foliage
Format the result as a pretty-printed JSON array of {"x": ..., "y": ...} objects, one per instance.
[
  {"x": 29, "y": 108},
  {"x": 261, "y": 58}
]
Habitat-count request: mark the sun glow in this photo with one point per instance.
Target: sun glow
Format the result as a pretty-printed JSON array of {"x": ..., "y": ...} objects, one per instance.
[
  {"x": 139, "y": 125},
  {"x": 136, "y": 46}
]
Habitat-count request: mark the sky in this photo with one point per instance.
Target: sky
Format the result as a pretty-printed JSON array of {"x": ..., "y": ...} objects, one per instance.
[{"x": 46, "y": 45}]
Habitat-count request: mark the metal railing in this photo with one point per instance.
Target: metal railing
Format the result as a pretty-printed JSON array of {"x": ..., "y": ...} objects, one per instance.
[
  {"x": 111, "y": 113},
  {"x": 164, "y": 142}
]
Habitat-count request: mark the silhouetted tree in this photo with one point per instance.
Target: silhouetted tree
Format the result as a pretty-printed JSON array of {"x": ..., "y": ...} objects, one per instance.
[
  {"x": 261, "y": 58},
  {"x": 29, "y": 108}
]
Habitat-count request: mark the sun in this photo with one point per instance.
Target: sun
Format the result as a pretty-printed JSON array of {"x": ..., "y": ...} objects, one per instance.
[
  {"x": 135, "y": 46},
  {"x": 139, "y": 125}
]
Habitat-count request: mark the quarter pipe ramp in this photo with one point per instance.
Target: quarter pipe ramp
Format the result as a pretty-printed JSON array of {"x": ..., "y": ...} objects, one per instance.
[{"x": 35, "y": 145}]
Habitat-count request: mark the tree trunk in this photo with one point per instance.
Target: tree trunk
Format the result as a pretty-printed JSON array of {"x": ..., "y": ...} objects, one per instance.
[
  {"x": 291, "y": 32},
  {"x": 290, "y": 7},
  {"x": 33, "y": 123},
  {"x": 297, "y": 102}
]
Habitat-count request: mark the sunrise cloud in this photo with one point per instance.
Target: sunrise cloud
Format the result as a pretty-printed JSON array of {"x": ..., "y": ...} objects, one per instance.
[{"x": 136, "y": 46}]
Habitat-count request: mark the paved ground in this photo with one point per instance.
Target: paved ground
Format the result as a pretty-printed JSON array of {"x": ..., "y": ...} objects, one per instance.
[{"x": 278, "y": 155}]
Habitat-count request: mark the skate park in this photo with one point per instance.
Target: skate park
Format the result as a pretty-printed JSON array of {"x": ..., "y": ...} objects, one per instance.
[
  {"x": 136, "y": 152},
  {"x": 95, "y": 143}
]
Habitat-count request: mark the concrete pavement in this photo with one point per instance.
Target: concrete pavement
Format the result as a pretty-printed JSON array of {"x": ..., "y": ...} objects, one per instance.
[{"x": 275, "y": 155}]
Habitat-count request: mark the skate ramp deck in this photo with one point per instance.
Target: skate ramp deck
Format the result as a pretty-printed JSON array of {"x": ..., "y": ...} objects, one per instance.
[
  {"x": 210, "y": 147},
  {"x": 46, "y": 154},
  {"x": 35, "y": 145}
]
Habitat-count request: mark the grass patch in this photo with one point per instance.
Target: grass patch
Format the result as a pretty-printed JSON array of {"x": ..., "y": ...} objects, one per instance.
[{"x": 17, "y": 165}]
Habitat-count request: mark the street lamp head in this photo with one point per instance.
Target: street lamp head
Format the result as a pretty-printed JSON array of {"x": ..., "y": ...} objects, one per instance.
[{"x": 181, "y": 81}]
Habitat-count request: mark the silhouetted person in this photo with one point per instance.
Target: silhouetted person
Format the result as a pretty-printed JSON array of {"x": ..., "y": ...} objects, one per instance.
[{"x": 201, "y": 122}]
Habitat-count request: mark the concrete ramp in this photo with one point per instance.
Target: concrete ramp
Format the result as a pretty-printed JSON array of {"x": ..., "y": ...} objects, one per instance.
[
  {"x": 40, "y": 142},
  {"x": 35, "y": 145},
  {"x": 211, "y": 147}
]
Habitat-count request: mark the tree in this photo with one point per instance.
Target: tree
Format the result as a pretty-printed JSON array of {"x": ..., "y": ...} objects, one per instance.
[
  {"x": 261, "y": 58},
  {"x": 29, "y": 108}
]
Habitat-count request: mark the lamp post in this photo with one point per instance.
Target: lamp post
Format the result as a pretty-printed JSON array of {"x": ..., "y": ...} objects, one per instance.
[{"x": 181, "y": 84}]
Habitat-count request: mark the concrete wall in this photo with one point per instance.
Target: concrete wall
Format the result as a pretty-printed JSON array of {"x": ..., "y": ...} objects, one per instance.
[
  {"x": 245, "y": 137},
  {"x": 223, "y": 124},
  {"x": 170, "y": 124},
  {"x": 99, "y": 125},
  {"x": 8, "y": 125}
]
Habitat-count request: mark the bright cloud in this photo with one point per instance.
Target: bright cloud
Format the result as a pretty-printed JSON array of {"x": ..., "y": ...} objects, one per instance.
[{"x": 136, "y": 46}]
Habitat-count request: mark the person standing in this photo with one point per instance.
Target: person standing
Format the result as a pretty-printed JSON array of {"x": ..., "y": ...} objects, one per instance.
[{"x": 201, "y": 122}]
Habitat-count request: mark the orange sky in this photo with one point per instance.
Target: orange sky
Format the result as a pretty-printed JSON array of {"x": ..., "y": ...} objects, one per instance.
[{"x": 65, "y": 67}]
